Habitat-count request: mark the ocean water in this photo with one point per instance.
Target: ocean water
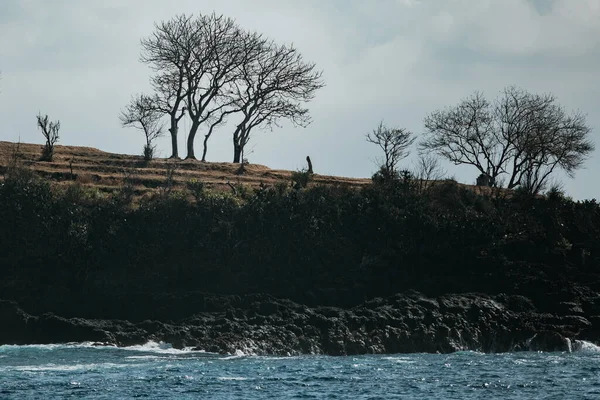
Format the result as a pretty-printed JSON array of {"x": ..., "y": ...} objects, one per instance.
[{"x": 157, "y": 371}]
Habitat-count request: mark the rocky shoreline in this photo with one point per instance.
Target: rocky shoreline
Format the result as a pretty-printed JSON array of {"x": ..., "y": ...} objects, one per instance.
[{"x": 264, "y": 325}]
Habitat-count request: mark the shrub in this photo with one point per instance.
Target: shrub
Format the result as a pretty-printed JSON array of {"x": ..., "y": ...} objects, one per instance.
[
  {"x": 148, "y": 152},
  {"x": 50, "y": 131},
  {"x": 301, "y": 179},
  {"x": 76, "y": 193},
  {"x": 197, "y": 188},
  {"x": 84, "y": 179},
  {"x": 383, "y": 176}
]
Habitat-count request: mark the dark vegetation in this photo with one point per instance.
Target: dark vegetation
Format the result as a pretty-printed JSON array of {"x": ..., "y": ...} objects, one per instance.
[{"x": 76, "y": 252}]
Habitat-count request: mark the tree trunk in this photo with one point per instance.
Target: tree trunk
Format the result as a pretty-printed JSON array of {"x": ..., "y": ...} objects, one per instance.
[
  {"x": 237, "y": 144},
  {"x": 237, "y": 153},
  {"x": 190, "y": 142},
  {"x": 205, "y": 147},
  {"x": 175, "y": 151}
]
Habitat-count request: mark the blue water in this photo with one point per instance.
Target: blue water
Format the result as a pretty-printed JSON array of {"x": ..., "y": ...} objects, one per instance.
[{"x": 156, "y": 371}]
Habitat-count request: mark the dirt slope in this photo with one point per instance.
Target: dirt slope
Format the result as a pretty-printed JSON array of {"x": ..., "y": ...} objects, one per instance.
[{"x": 108, "y": 171}]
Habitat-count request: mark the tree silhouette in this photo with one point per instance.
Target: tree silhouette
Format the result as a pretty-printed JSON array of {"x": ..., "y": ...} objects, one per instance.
[
  {"x": 272, "y": 86},
  {"x": 394, "y": 143},
  {"x": 522, "y": 136},
  {"x": 168, "y": 51},
  {"x": 142, "y": 114},
  {"x": 208, "y": 68},
  {"x": 50, "y": 131}
]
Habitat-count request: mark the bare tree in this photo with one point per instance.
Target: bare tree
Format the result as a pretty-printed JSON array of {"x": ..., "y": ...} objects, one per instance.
[
  {"x": 427, "y": 169},
  {"x": 168, "y": 51},
  {"x": 522, "y": 136},
  {"x": 464, "y": 135},
  {"x": 143, "y": 114},
  {"x": 219, "y": 51},
  {"x": 272, "y": 85},
  {"x": 394, "y": 143},
  {"x": 50, "y": 131},
  {"x": 208, "y": 68},
  {"x": 542, "y": 136}
]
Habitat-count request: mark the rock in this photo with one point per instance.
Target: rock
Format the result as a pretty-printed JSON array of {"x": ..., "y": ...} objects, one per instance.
[
  {"x": 516, "y": 303},
  {"x": 569, "y": 308},
  {"x": 549, "y": 341},
  {"x": 16, "y": 324},
  {"x": 50, "y": 328},
  {"x": 262, "y": 324}
]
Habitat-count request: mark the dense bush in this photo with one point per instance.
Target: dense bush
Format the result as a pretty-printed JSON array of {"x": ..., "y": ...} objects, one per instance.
[
  {"x": 73, "y": 248},
  {"x": 301, "y": 179}
]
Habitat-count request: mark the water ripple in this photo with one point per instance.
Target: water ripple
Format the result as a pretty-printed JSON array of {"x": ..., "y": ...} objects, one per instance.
[{"x": 157, "y": 371}]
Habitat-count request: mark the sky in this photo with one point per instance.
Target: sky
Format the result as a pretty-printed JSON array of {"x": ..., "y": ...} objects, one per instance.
[{"x": 382, "y": 60}]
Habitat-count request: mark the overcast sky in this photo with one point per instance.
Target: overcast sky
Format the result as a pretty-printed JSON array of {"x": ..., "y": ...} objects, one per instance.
[{"x": 391, "y": 60}]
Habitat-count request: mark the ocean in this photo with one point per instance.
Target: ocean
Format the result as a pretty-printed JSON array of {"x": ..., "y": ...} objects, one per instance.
[{"x": 158, "y": 371}]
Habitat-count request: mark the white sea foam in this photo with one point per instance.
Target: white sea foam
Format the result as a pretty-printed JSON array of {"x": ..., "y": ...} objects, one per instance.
[
  {"x": 48, "y": 347},
  {"x": 150, "y": 357},
  {"x": 63, "y": 368},
  {"x": 582, "y": 345},
  {"x": 469, "y": 353},
  {"x": 150, "y": 347},
  {"x": 238, "y": 354},
  {"x": 279, "y": 358},
  {"x": 232, "y": 378},
  {"x": 247, "y": 349},
  {"x": 158, "y": 347},
  {"x": 400, "y": 360}
]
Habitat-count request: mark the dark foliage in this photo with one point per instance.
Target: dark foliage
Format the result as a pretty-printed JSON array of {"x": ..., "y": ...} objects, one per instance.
[
  {"x": 301, "y": 179},
  {"x": 77, "y": 252}
]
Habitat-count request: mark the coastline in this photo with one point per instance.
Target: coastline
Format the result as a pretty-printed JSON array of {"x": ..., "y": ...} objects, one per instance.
[
  {"x": 393, "y": 266},
  {"x": 404, "y": 323}
]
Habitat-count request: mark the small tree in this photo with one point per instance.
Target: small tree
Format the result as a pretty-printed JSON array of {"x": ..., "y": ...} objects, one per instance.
[
  {"x": 50, "y": 131},
  {"x": 142, "y": 114},
  {"x": 394, "y": 143},
  {"x": 426, "y": 171}
]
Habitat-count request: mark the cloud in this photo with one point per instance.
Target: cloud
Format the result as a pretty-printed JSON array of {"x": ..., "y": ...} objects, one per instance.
[{"x": 395, "y": 60}]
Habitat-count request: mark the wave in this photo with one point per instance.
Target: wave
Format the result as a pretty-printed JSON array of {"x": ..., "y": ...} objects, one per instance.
[
  {"x": 64, "y": 368},
  {"x": 161, "y": 348},
  {"x": 582, "y": 345},
  {"x": 150, "y": 347},
  {"x": 400, "y": 360},
  {"x": 48, "y": 347},
  {"x": 232, "y": 378},
  {"x": 236, "y": 355}
]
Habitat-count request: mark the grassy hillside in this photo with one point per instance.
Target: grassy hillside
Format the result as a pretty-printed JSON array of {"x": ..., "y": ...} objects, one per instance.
[{"x": 108, "y": 171}]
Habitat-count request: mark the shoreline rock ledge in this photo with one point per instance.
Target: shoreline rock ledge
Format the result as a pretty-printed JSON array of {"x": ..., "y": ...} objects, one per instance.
[{"x": 264, "y": 325}]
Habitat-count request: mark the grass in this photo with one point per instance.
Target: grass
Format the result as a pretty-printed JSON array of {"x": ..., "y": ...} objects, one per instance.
[{"x": 108, "y": 171}]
